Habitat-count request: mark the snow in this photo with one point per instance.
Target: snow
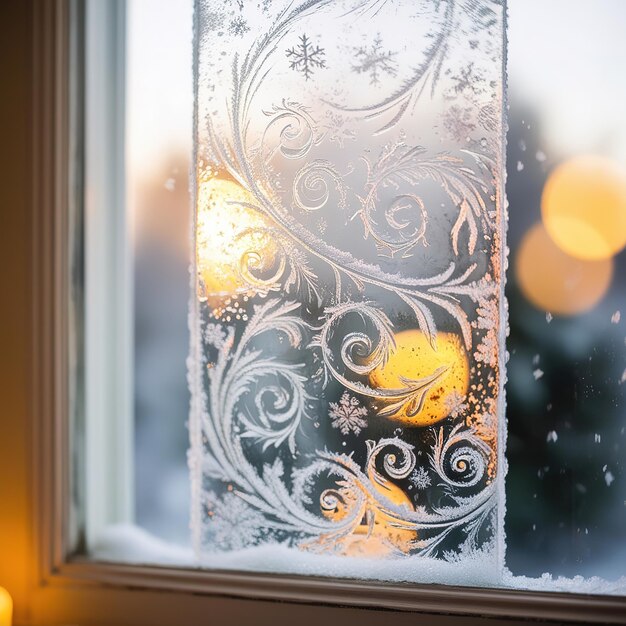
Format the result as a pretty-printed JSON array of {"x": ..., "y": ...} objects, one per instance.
[
  {"x": 552, "y": 436},
  {"x": 126, "y": 543},
  {"x": 577, "y": 584}
]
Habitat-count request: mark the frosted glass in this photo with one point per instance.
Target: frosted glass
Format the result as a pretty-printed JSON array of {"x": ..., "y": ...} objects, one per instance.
[{"x": 347, "y": 330}]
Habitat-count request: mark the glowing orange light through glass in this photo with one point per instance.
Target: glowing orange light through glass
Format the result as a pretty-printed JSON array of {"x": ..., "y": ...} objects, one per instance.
[
  {"x": 415, "y": 358},
  {"x": 584, "y": 207},
  {"x": 6, "y": 607},
  {"x": 556, "y": 282},
  {"x": 232, "y": 238}
]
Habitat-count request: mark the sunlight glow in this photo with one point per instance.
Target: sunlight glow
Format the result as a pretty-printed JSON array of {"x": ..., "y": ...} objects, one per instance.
[{"x": 233, "y": 239}]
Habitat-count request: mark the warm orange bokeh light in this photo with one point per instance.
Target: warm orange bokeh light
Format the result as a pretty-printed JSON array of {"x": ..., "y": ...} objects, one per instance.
[
  {"x": 584, "y": 207},
  {"x": 231, "y": 237},
  {"x": 556, "y": 282},
  {"x": 415, "y": 358},
  {"x": 6, "y": 608}
]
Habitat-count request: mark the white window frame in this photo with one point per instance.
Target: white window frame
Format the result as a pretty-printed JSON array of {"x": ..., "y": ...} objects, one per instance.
[
  {"x": 65, "y": 587},
  {"x": 108, "y": 275}
]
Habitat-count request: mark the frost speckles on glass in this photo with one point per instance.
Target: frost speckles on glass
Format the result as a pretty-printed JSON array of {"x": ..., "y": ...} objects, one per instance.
[{"x": 348, "y": 242}]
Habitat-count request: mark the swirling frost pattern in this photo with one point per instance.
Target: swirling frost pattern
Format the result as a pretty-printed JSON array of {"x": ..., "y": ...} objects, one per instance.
[{"x": 380, "y": 198}]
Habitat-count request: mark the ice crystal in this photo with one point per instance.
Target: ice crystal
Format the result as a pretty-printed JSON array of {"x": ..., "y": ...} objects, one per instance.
[
  {"x": 487, "y": 349},
  {"x": 420, "y": 479},
  {"x": 374, "y": 61},
  {"x": 233, "y": 524},
  {"x": 305, "y": 57},
  {"x": 488, "y": 117},
  {"x": 458, "y": 122},
  {"x": 238, "y": 26},
  {"x": 456, "y": 404},
  {"x": 468, "y": 81},
  {"x": 347, "y": 415},
  {"x": 485, "y": 423},
  {"x": 214, "y": 335}
]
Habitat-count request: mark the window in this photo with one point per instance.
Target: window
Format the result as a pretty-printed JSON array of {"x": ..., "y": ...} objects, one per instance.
[{"x": 565, "y": 486}]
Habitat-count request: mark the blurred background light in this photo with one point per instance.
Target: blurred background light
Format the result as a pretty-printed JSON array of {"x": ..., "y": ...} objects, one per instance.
[
  {"x": 555, "y": 281},
  {"x": 584, "y": 207}
]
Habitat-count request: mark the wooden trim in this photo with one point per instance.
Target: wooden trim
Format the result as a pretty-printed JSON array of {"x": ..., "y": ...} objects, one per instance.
[
  {"x": 50, "y": 204},
  {"x": 419, "y": 598},
  {"x": 67, "y": 589}
]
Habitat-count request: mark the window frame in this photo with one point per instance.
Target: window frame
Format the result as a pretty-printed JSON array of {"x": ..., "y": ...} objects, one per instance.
[{"x": 67, "y": 587}]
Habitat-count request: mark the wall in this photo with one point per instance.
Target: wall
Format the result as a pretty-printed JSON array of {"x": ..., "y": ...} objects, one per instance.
[{"x": 15, "y": 99}]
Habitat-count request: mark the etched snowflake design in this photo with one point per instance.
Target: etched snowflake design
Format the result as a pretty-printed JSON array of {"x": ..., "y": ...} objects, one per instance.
[
  {"x": 458, "y": 122},
  {"x": 456, "y": 404},
  {"x": 233, "y": 524},
  {"x": 420, "y": 479},
  {"x": 305, "y": 57},
  {"x": 347, "y": 415},
  {"x": 215, "y": 335},
  {"x": 374, "y": 61},
  {"x": 468, "y": 81},
  {"x": 238, "y": 26}
]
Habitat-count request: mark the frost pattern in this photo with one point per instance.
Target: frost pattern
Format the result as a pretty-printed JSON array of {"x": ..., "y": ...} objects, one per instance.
[
  {"x": 345, "y": 370},
  {"x": 347, "y": 415},
  {"x": 420, "y": 479},
  {"x": 238, "y": 26},
  {"x": 305, "y": 57},
  {"x": 375, "y": 61}
]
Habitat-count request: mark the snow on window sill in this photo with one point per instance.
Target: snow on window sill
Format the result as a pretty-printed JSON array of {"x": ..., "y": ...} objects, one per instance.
[{"x": 129, "y": 544}]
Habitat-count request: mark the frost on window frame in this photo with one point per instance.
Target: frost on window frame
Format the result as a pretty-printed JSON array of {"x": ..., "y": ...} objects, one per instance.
[{"x": 347, "y": 342}]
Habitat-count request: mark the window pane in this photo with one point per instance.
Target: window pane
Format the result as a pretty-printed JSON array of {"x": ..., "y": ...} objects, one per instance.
[
  {"x": 348, "y": 251},
  {"x": 159, "y": 97},
  {"x": 566, "y": 390},
  {"x": 565, "y": 482}
]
